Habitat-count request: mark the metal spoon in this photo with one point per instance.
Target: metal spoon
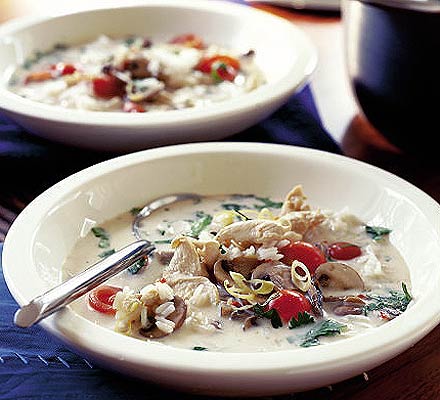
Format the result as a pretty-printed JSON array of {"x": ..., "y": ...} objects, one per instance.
[{"x": 46, "y": 304}]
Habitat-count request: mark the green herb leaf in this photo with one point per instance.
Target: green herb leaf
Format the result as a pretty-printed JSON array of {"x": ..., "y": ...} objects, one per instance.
[
  {"x": 392, "y": 305},
  {"x": 106, "y": 253},
  {"x": 135, "y": 268},
  {"x": 377, "y": 232},
  {"x": 267, "y": 203},
  {"x": 231, "y": 206},
  {"x": 327, "y": 327},
  {"x": 203, "y": 221},
  {"x": 103, "y": 236},
  {"x": 163, "y": 241},
  {"x": 200, "y": 348},
  {"x": 272, "y": 315},
  {"x": 303, "y": 318}
]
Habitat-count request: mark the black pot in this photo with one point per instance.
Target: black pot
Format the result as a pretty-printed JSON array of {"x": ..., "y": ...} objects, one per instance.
[{"x": 393, "y": 60}]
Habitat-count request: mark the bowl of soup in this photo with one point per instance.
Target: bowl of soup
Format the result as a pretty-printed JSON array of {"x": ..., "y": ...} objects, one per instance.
[
  {"x": 259, "y": 286},
  {"x": 141, "y": 76}
]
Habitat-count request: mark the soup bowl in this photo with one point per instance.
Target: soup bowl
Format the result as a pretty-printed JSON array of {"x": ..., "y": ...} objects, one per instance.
[
  {"x": 286, "y": 57},
  {"x": 44, "y": 234}
]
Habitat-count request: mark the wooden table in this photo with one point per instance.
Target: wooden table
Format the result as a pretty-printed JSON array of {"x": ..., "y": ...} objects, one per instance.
[{"x": 414, "y": 374}]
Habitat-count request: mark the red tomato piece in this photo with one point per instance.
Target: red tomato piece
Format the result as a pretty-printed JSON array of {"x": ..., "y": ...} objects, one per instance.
[
  {"x": 108, "y": 86},
  {"x": 223, "y": 72},
  {"x": 188, "y": 40},
  {"x": 132, "y": 107},
  {"x": 63, "y": 69},
  {"x": 311, "y": 256},
  {"x": 101, "y": 299},
  {"x": 205, "y": 64},
  {"x": 289, "y": 304},
  {"x": 344, "y": 251}
]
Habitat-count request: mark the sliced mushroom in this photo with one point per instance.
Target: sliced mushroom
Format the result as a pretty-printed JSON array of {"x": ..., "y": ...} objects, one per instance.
[
  {"x": 177, "y": 316},
  {"x": 337, "y": 276},
  {"x": 278, "y": 273},
  {"x": 219, "y": 272},
  {"x": 315, "y": 297},
  {"x": 243, "y": 265},
  {"x": 346, "y": 305},
  {"x": 137, "y": 67}
]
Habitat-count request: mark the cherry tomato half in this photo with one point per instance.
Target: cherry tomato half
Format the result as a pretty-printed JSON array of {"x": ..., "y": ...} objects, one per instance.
[
  {"x": 101, "y": 299},
  {"x": 63, "y": 69},
  {"x": 223, "y": 72},
  {"x": 188, "y": 40},
  {"x": 311, "y": 256},
  {"x": 108, "y": 86},
  {"x": 205, "y": 64},
  {"x": 289, "y": 304},
  {"x": 344, "y": 251},
  {"x": 132, "y": 107}
]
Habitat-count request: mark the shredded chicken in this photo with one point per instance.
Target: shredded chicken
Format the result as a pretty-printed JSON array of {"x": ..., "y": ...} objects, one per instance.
[
  {"x": 256, "y": 232},
  {"x": 302, "y": 221},
  {"x": 187, "y": 275},
  {"x": 295, "y": 201},
  {"x": 185, "y": 260}
]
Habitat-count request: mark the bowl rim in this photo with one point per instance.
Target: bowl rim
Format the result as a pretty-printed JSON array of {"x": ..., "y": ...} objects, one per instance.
[
  {"x": 396, "y": 336},
  {"x": 259, "y": 97}
]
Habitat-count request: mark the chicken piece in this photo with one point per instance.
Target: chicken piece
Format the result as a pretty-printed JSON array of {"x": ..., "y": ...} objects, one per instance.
[
  {"x": 256, "y": 232},
  {"x": 295, "y": 201},
  {"x": 188, "y": 276},
  {"x": 185, "y": 260},
  {"x": 197, "y": 290},
  {"x": 302, "y": 221},
  {"x": 209, "y": 252}
]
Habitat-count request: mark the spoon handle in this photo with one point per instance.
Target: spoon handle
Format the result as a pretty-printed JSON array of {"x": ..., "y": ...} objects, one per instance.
[{"x": 46, "y": 304}]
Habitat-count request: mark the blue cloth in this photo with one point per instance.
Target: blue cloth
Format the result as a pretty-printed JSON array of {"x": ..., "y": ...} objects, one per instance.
[{"x": 33, "y": 365}]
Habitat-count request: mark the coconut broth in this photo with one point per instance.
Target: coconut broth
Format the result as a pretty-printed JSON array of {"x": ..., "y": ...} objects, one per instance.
[{"x": 380, "y": 266}]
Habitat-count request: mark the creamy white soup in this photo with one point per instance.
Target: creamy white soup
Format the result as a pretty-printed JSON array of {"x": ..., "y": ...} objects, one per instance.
[
  {"x": 137, "y": 74},
  {"x": 243, "y": 273}
]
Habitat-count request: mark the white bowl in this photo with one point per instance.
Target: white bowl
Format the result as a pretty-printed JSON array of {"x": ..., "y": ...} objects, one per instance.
[
  {"x": 45, "y": 232},
  {"x": 285, "y": 55}
]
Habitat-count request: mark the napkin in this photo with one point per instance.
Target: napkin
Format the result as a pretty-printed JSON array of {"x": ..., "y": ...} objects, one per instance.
[{"x": 34, "y": 365}]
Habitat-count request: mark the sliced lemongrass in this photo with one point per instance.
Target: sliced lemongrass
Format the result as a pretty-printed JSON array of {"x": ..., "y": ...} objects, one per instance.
[{"x": 301, "y": 281}]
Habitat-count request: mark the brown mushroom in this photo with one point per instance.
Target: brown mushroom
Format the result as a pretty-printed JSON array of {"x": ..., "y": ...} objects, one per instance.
[
  {"x": 177, "y": 316},
  {"x": 219, "y": 272},
  {"x": 337, "y": 276},
  {"x": 346, "y": 305},
  {"x": 278, "y": 273},
  {"x": 137, "y": 67}
]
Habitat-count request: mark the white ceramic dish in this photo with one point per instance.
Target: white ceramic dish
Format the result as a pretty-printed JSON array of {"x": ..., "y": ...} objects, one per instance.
[
  {"x": 286, "y": 57},
  {"x": 44, "y": 233}
]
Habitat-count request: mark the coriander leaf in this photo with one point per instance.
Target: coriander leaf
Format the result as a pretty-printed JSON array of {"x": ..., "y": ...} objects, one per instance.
[
  {"x": 103, "y": 236},
  {"x": 272, "y": 315},
  {"x": 106, "y": 253},
  {"x": 200, "y": 348},
  {"x": 135, "y": 268},
  {"x": 203, "y": 221},
  {"x": 327, "y": 327},
  {"x": 162, "y": 241},
  {"x": 231, "y": 206},
  {"x": 377, "y": 232},
  {"x": 267, "y": 203},
  {"x": 303, "y": 318},
  {"x": 392, "y": 305}
]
